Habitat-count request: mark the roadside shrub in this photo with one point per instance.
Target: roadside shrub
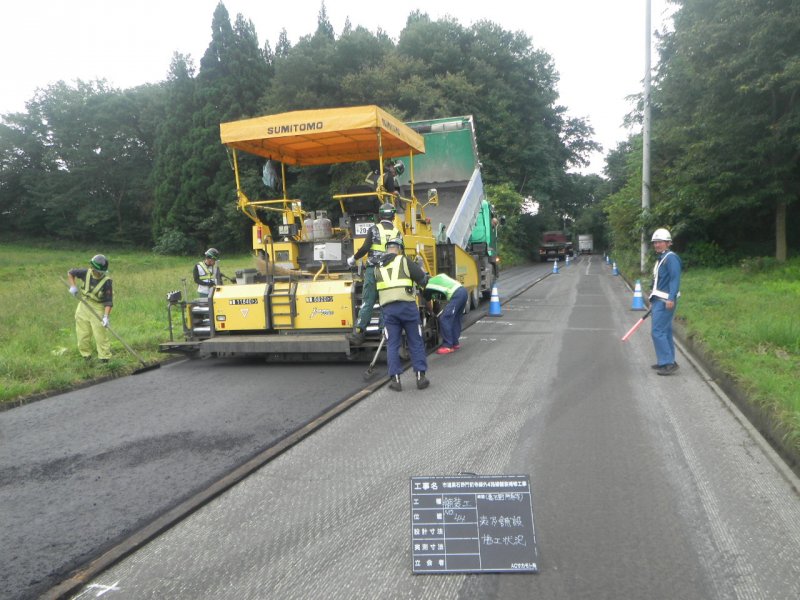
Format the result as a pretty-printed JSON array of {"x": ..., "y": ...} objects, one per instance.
[
  {"x": 175, "y": 243},
  {"x": 706, "y": 254},
  {"x": 758, "y": 264}
]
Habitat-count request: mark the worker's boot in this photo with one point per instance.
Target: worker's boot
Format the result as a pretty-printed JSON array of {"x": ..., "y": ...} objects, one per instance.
[
  {"x": 357, "y": 338},
  {"x": 395, "y": 383},
  {"x": 422, "y": 381}
]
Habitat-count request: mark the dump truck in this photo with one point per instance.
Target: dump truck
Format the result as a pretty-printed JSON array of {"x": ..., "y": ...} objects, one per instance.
[
  {"x": 555, "y": 246},
  {"x": 302, "y": 298},
  {"x": 463, "y": 216},
  {"x": 585, "y": 243}
]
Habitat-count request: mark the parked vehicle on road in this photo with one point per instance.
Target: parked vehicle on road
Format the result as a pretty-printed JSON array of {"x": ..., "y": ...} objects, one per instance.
[
  {"x": 585, "y": 243},
  {"x": 463, "y": 216},
  {"x": 555, "y": 246}
]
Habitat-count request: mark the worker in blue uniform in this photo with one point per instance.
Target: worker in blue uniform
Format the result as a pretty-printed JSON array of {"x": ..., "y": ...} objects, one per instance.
[
  {"x": 444, "y": 287},
  {"x": 395, "y": 277},
  {"x": 663, "y": 301}
]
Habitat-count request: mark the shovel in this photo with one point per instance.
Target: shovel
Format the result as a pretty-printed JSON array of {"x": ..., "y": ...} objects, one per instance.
[
  {"x": 145, "y": 366},
  {"x": 368, "y": 373}
]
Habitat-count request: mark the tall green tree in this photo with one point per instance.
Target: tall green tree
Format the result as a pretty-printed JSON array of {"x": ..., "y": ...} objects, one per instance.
[
  {"x": 511, "y": 88},
  {"x": 233, "y": 75},
  {"x": 728, "y": 118},
  {"x": 86, "y": 152},
  {"x": 22, "y": 159},
  {"x": 172, "y": 155}
]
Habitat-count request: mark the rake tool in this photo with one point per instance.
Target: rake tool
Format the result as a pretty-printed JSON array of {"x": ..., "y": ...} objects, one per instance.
[{"x": 145, "y": 366}]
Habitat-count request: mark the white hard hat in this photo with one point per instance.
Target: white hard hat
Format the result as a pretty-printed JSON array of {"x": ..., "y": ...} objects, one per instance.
[{"x": 661, "y": 235}]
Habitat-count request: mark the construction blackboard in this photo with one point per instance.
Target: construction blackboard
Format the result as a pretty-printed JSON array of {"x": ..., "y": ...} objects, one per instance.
[{"x": 472, "y": 524}]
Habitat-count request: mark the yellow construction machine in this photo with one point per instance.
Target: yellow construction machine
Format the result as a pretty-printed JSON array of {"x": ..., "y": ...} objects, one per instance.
[{"x": 302, "y": 299}]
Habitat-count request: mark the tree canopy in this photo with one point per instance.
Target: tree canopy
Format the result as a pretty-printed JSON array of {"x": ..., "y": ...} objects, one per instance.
[
  {"x": 146, "y": 166},
  {"x": 726, "y": 130}
]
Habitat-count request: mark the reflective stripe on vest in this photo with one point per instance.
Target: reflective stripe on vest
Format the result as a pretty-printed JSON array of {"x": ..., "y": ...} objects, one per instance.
[
  {"x": 394, "y": 282},
  {"x": 93, "y": 293},
  {"x": 206, "y": 272},
  {"x": 656, "y": 292},
  {"x": 443, "y": 284}
]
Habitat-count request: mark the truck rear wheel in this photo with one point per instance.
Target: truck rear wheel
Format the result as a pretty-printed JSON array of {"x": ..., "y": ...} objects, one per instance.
[{"x": 475, "y": 297}]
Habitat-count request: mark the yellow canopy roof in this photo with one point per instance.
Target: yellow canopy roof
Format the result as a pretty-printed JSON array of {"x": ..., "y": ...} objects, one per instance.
[{"x": 324, "y": 136}]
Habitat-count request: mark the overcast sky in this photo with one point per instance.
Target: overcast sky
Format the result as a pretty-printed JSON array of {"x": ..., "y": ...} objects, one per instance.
[{"x": 597, "y": 45}]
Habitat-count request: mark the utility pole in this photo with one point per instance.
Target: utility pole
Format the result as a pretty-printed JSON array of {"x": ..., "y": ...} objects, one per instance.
[{"x": 646, "y": 136}]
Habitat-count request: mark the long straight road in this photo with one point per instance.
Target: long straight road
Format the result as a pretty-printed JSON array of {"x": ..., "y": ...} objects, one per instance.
[{"x": 643, "y": 486}]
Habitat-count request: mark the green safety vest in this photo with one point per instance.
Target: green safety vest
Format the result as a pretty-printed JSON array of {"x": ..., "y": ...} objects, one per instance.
[
  {"x": 384, "y": 235},
  {"x": 93, "y": 293},
  {"x": 442, "y": 284},
  {"x": 394, "y": 282}
]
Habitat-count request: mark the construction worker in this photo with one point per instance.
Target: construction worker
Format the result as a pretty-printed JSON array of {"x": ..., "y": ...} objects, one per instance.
[
  {"x": 443, "y": 287},
  {"x": 206, "y": 273},
  {"x": 390, "y": 181},
  {"x": 395, "y": 277},
  {"x": 391, "y": 184},
  {"x": 97, "y": 293},
  {"x": 663, "y": 300},
  {"x": 373, "y": 247}
]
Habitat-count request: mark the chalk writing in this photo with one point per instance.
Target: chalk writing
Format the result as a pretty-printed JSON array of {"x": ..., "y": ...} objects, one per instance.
[{"x": 472, "y": 524}]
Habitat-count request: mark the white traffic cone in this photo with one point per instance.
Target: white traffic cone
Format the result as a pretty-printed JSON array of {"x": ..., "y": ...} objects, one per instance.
[
  {"x": 494, "y": 304},
  {"x": 638, "y": 299}
]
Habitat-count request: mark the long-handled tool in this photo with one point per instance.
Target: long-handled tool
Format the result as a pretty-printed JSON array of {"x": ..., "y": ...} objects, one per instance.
[
  {"x": 368, "y": 372},
  {"x": 637, "y": 325},
  {"x": 145, "y": 366}
]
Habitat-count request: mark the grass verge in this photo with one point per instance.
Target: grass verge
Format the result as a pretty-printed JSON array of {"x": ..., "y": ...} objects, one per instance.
[
  {"x": 748, "y": 322},
  {"x": 38, "y": 349}
]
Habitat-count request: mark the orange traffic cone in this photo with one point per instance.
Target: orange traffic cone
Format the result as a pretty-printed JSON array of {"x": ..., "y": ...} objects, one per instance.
[
  {"x": 638, "y": 299},
  {"x": 614, "y": 269},
  {"x": 494, "y": 304},
  {"x": 555, "y": 267}
]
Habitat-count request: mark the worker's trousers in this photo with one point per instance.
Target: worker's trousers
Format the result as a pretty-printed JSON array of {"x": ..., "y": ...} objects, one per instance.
[
  {"x": 661, "y": 332},
  {"x": 450, "y": 319},
  {"x": 369, "y": 295},
  {"x": 399, "y": 317},
  {"x": 88, "y": 325}
]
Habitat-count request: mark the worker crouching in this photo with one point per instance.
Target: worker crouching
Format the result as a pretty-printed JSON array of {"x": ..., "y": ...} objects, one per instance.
[
  {"x": 444, "y": 288},
  {"x": 395, "y": 277}
]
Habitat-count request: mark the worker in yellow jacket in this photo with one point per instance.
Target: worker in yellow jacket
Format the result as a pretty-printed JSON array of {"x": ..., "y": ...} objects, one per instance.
[{"x": 94, "y": 286}]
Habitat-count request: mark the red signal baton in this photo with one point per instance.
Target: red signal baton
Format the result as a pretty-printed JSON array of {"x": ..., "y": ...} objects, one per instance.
[{"x": 637, "y": 325}]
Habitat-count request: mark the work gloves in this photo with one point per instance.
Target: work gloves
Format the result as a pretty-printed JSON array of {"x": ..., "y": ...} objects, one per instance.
[
  {"x": 351, "y": 262},
  {"x": 105, "y": 320},
  {"x": 73, "y": 290}
]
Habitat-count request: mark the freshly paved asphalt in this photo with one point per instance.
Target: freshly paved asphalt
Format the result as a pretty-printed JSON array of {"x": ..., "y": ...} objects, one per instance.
[{"x": 81, "y": 471}]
